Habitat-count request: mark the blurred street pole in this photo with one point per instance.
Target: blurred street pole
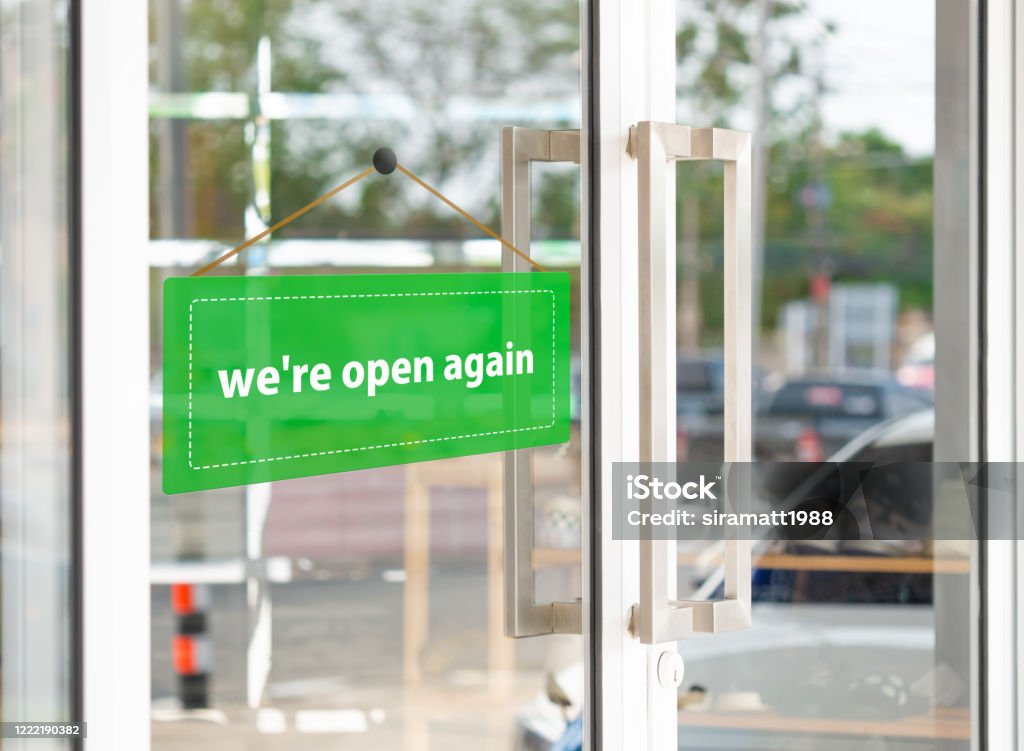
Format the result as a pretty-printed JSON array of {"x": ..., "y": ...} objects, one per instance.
[
  {"x": 816, "y": 200},
  {"x": 190, "y": 522},
  {"x": 256, "y": 262},
  {"x": 759, "y": 169},
  {"x": 689, "y": 320},
  {"x": 170, "y": 72}
]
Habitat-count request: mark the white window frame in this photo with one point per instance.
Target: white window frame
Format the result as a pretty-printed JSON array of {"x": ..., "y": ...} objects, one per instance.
[
  {"x": 1000, "y": 646},
  {"x": 114, "y": 313},
  {"x": 635, "y": 81}
]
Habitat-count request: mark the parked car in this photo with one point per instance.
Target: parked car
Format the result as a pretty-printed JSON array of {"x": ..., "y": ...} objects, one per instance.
[
  {"x": 896, "y": 514},
  {"x": 908, "y": 438},
  {"x": 918, "y": 368},
  {"x": 809, "y": 419},
  {"x": 824, "y": 645},
  {"x": 700, "y": 403},
  {"x": 837, "y": 644}
]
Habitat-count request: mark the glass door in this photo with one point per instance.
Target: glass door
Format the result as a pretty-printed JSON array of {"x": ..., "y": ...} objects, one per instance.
[
  {"x": 864, "y": 285},
  {"x": 371, "y": 609}
]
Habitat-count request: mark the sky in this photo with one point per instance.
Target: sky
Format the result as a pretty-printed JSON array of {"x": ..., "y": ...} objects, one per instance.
[{"x": 880, "y": 63}]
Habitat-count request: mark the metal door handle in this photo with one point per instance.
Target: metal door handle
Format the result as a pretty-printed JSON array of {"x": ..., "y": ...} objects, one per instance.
[
  {"x": 656, "y": 146},
  {"x": 524, "y": 616}
]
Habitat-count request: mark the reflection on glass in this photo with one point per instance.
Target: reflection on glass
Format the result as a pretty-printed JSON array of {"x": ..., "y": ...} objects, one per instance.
[
  {"x": 852, "y": 643},
  {"x": 35, "y": 451},
  {"x": 360, "y": 610}
]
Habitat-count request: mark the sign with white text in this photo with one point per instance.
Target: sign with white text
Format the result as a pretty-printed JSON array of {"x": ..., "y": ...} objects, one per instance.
[{"x": 275, "y": 377}]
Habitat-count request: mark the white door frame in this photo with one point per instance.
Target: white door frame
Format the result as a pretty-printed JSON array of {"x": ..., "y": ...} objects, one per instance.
[
  {"x": 633, "y": 61},
  {"x": 632, "y": 710},
  {"x": 1001, "y": 607},
  {"x": 113, "y": 50}
]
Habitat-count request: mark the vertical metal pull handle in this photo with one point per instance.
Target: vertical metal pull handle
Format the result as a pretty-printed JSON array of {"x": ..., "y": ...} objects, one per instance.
[
  {"x": 524, "y": 616},
  {"x": 657, "y": 146}
]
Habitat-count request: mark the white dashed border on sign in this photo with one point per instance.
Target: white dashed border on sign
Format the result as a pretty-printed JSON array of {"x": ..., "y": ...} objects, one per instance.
[{"x": 329, "y": 452}]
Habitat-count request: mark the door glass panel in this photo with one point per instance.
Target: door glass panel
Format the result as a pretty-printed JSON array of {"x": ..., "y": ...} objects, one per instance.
[
  {"x": 853, "y": 645},
  {"x": 38, "y": 598},
  {"x": 339, "y": 611}
]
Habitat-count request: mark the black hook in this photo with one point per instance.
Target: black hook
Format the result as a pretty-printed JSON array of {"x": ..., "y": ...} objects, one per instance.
[{"x": 384, "y": 160}]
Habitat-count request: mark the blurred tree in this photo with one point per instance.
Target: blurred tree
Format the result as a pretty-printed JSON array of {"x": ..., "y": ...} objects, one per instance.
[
  {"x": 444, "y": 59},
  {"x": 878, "y": 215},
  {"x": 210, "y": 46},
  {"x": 879, "y": 204},
  {"x": 731, "y": 53},
  {"x": 435, "y": 60}
]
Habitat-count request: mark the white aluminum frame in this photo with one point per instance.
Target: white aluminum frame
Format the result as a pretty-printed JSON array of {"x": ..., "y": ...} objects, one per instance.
[
  {"x": 1017, "y": 249},
  {"x": 634, "y": 80},
  {"x": 114, "y": 308},
  {"x": 1001, "y": 579}
]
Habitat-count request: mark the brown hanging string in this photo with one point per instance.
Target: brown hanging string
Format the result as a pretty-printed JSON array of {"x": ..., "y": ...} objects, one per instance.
[{"x": 384, "y": 162}]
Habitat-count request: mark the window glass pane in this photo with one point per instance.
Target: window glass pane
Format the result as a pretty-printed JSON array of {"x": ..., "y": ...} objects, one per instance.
[
  {"x": 200, "y": 179},
  {"x": 853, "y": 644},
  {"x": 35, "y": 497},
  {"x": 342, "y": 611}
]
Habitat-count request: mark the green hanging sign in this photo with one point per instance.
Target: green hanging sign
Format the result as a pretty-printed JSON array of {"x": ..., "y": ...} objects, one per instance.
[{"x": 276, "y": 377}]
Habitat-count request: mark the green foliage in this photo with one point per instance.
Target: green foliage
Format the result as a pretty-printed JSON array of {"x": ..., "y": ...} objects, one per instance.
[
  {"x": 435, "y": 56},
  {"x": 877, "y": 225},
  {"x": 556, "y": 211},
  {"x": 880, "y": 199}
]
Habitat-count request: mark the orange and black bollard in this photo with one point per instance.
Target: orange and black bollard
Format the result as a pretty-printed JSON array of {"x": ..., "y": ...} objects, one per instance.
[{"x": 191, "y": 650}]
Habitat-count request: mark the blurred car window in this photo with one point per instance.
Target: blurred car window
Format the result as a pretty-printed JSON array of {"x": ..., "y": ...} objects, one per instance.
[
  {"x": 695, "y": 375},
  {"x": 826, "y": 400},
  {"x": 907, "y": 401}
]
